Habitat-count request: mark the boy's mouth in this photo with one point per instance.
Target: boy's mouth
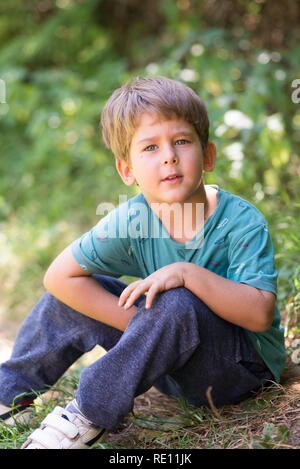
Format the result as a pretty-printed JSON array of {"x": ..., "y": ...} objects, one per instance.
[{"x": 172, "y": 178}]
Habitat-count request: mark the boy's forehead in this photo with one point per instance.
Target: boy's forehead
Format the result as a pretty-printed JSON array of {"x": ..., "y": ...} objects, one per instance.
[{"x": 147, "y": 120}]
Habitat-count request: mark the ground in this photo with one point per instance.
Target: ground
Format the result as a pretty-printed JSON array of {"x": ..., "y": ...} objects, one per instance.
[{"x": 270, "y": 419}]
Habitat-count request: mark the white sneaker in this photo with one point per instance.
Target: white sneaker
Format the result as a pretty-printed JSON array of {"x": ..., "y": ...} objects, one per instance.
[
  {"x": 20, "y": 413},
  {"x": 62, "y": 429}
]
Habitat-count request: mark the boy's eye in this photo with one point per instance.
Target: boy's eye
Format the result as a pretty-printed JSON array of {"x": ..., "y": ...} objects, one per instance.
[
  {"x": 150, "y": 148},
  {"x": 180, "y": 141}
]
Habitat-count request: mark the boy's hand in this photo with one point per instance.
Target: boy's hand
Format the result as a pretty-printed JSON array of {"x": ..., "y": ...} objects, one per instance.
[{"x": 169, "y": 276}]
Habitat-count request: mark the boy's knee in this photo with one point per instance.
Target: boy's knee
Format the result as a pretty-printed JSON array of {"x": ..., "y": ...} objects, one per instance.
[
  {"x": 175, "y": 303},
  {"x": 180, "y": 306},
  {"x": 52, "y": 311},
  {"x": 176, "y": 296}
]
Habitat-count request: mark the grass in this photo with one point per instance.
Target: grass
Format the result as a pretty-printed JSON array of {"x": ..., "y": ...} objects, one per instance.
[{"x": 269, "y": 420}]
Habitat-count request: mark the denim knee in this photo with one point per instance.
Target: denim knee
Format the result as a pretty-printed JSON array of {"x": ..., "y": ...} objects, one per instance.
[
  {"x": 156, "y": 341},
  {"x": 176, "y": 304},
  {"x": 173, "y": 314}
]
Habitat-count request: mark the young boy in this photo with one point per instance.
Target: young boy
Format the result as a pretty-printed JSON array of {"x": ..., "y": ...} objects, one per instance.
[{"x": 203, "y": 313}]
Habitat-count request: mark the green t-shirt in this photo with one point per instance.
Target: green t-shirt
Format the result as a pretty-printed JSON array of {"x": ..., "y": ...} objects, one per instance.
[{"x": 234, "y": 243}]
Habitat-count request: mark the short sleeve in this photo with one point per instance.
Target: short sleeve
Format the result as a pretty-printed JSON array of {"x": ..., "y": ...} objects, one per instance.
[
  {"x": 106, "y": 249},
  {"x": 251, "y": 258}
]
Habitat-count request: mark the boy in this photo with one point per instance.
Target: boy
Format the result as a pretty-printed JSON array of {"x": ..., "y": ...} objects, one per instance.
[{"x": 203, "y": 312}]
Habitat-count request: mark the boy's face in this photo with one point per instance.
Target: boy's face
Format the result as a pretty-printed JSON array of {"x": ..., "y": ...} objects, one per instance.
[{"x": 166, "y": 160}]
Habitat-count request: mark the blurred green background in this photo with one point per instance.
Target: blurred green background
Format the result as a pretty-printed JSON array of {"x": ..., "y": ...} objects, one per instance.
[{"x": 59, "y": 62}]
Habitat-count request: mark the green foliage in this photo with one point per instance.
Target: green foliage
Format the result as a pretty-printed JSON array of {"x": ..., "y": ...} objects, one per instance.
[
  {"x": 272, "y": 437},
  {"x": 60, "y": 61}
]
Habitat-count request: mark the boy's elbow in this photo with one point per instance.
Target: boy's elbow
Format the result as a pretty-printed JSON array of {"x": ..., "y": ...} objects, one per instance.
[
  {"x": 60, "y": 270},
  {"x": 265, "y": 311},
  {"x": 48, "y": 281},
  {"x": 263, "y": 326},
  {"x": 265, "y": 320},
  {"x": 52, "y": 279}
]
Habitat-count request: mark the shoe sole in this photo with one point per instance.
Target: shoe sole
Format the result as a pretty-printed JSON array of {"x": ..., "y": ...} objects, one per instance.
[
  {"x": 18, "y": 414},
  {"x": 98, "y": 439}
]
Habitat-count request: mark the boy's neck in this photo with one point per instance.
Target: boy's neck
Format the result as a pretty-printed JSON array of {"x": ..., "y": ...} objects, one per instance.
[{"x": 184, "y": 220}]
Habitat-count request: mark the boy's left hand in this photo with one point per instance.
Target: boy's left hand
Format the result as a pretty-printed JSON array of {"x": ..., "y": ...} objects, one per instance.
[{"x": 169, "y": 276}]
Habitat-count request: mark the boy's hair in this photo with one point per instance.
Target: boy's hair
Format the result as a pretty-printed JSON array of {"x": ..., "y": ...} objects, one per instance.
[{"x": 160, "y": 95}]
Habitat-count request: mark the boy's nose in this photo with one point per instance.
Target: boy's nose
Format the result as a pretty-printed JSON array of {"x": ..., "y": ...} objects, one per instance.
[
  {"x": 170, "y": 157},
  {"x": 172, "y": 160}
]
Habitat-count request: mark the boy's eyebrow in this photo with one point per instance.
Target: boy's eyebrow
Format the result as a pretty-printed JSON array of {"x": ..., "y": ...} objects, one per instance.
[{"x": 184, "y": 133}]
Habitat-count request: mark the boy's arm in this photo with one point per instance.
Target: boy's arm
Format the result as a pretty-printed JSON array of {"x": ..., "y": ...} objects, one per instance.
[
  {"x": 238, "y": 303},
  {"x": 75, "y": 287}
]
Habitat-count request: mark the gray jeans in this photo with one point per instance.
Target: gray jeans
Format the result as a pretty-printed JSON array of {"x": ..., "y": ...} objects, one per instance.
[{"x": 178, "y": 345}]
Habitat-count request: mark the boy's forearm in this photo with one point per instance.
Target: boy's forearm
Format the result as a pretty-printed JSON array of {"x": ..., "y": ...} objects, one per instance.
[
  {"x": 84, "y": 294},
  {"x": 237, "y": 303}
]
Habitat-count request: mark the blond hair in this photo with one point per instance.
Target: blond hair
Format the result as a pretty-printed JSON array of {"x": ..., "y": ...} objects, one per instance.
[{"x": 121, "y": 114}]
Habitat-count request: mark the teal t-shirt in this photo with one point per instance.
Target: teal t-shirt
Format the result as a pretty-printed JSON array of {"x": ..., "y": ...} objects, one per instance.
[{"x": 233, "y": 243}]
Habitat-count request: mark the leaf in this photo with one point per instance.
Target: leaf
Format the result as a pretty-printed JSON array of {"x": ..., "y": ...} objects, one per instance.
[{"x": 161, "y": 423}]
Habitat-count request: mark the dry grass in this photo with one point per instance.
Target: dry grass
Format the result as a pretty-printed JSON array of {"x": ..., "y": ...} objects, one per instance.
[{"x": 270, "y": 420}]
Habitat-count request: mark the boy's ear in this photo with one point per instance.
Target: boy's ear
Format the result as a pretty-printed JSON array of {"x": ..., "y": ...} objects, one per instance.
[
  {"x": 209, "y": 157},
  {"x": 125, "y": 172}
]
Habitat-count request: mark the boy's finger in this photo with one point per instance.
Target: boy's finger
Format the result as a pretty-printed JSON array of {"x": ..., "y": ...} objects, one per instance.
[
  {"x": 123, "y": 297},
  {"x": 137, "y": 292},
  {"x": 151, "y": 295},
  {"x": 126, "y": 293},
  {"x": 134, "y": 296}
]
